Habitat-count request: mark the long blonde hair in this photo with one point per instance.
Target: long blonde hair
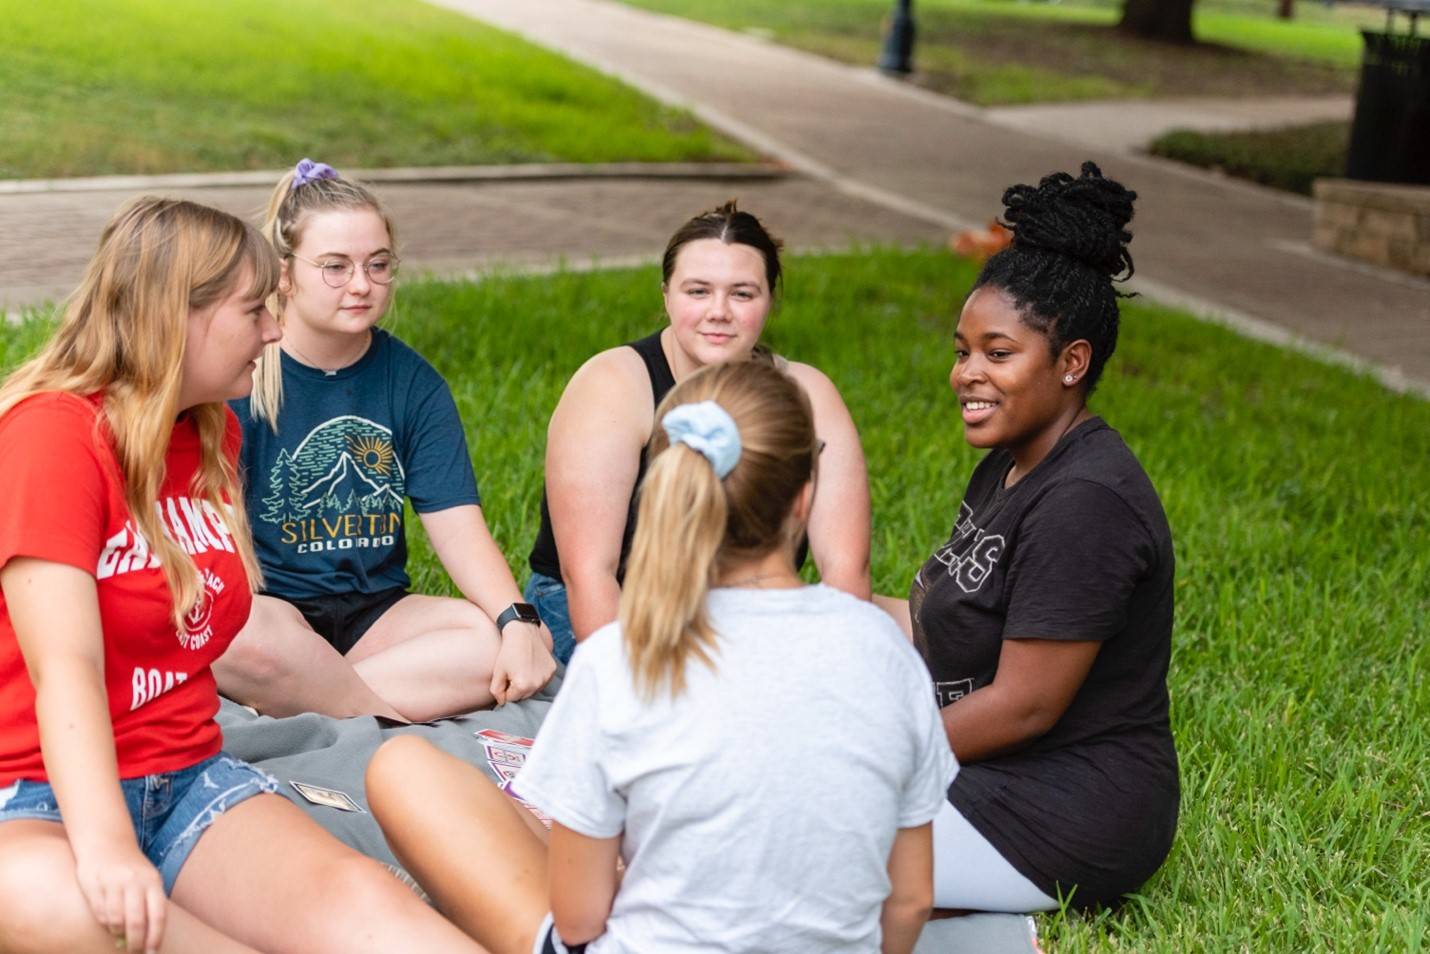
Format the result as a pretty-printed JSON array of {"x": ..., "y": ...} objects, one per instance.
[
  {"x": 123, "y": 335},
  {"x": 288, "y": 211},
  {"x": 691, "y": 525}
]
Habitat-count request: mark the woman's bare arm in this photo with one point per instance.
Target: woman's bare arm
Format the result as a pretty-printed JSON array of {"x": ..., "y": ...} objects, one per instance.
[
  {"x": 464, "y": 544},
  {"x": 839, "y": 520},
  {"x": 911, "y": 893},
  {"x": 584, "y": 879},
  {"x": 593, "y": 449},
  {"x": 1036, "y": 682},
  {"x": 54, "y": 608}
]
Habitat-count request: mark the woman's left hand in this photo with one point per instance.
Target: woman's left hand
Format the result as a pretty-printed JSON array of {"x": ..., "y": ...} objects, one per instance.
[{"x": 524, "y": 662}]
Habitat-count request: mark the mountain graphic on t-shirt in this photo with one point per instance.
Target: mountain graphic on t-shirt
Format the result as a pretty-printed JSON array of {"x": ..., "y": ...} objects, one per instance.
[
  {"x": 345, "y": 465},
  {"x": 347, "y": 487}
]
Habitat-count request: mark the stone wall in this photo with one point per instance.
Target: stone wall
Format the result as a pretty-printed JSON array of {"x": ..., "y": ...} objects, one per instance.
[{"x": 1384, "y": 224}]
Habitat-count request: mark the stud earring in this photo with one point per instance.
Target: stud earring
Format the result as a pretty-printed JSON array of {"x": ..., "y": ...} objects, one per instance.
[{"x": 1069, "y": 379}]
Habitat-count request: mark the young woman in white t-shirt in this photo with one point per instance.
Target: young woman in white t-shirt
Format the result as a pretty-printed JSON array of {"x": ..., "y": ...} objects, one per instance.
[{"x": 743, "y": 745}]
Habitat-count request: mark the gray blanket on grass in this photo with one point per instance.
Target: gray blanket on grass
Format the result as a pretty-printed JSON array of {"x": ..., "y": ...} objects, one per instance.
[{"x": 332, "y": 754}]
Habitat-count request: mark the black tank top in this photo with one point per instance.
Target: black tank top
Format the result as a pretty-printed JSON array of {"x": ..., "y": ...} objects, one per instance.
[{"x": 544, "y": 558}]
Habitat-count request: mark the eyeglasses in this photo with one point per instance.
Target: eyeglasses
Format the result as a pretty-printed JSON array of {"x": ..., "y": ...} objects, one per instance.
[{"x": 338, "y": 272}]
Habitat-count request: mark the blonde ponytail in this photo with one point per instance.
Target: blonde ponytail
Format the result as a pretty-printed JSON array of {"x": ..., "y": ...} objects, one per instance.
[
  {"x": 681, "y": 524},
  {"x": 691, "y": 524}
]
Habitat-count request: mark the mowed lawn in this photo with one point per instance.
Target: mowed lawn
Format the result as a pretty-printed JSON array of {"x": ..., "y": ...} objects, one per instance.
[
  {"x": 1290, "y": 158},
  {"x": 150, "y": 86},
  {"x": 1297, "y": 498},
  {"x": 1000, "y": 51}
]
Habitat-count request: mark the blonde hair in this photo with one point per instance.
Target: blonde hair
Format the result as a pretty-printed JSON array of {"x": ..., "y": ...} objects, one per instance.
[
  {"x": 288, "y": 211},
  {"x": 691, "y": 525},
  {"x": 123, "y": 335}
]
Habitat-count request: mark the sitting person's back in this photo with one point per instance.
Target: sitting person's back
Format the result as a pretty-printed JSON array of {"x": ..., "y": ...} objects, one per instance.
[
  {"x": 760, "y": 805},
  {"x": 764, "y": 757}
]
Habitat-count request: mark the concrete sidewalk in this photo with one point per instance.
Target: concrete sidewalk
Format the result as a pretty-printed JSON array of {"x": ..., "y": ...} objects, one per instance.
[
  {"x": 1128, "y": 126},
  {"x": 1227, "y": 250}
]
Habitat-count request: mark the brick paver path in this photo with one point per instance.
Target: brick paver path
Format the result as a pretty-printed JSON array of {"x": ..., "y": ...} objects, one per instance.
[{"x": 452, "y": 228}]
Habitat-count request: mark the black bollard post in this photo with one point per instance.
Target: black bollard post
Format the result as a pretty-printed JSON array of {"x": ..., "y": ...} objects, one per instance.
[{"x": 898, "y": 56}]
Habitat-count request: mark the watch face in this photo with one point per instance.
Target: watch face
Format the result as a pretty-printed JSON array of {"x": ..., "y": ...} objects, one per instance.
[{"x": 519, "y": 612}]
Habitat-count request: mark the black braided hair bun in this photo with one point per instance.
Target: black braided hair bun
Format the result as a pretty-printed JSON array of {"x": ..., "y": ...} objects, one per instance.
[{"x": 1083, "y": 218}]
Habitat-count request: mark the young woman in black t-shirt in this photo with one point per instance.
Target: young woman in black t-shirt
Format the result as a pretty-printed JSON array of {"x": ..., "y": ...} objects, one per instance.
[{"x": 1046, "y": 618}]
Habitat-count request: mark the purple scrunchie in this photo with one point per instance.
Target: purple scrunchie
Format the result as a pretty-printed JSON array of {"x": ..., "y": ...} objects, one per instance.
[{"x": 307, "y": 171}]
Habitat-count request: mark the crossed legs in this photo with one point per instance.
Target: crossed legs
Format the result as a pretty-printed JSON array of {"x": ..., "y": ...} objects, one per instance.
[{"x": 425, "y": 658}]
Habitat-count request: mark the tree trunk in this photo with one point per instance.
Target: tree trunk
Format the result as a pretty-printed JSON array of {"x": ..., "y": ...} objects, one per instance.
[
  {"x": 1286, "y": 9},
  {"x": 1167, "y": 20}
]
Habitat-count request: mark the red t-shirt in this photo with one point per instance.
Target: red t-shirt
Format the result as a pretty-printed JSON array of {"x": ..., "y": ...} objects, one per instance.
[{"x": 62, "y": 500}]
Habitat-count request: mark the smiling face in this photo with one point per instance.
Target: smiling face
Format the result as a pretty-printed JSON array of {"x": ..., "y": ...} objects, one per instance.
[
  {"x": 718, "y": 299},
  {"x": 355, "y": 237},
  {"x": 1014, "y": 393},
  {"x": 222, "y": 343}
]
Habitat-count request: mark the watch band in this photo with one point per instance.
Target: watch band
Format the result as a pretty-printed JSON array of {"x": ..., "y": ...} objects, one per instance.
[{"x": 524, "y": 612}]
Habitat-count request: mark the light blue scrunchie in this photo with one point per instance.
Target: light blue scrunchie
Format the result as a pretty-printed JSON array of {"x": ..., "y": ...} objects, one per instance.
[
  {"x": 307, "y": 171},
  {"x": 708, "y": 428}
]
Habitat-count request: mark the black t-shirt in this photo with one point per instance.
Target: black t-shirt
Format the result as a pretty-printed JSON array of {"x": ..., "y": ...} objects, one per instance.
[{"x": 1079, "y": 549}]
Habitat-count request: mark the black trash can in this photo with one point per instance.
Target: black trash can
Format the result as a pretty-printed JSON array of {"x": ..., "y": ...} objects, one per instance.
[{"x": 1390, "y": 138}]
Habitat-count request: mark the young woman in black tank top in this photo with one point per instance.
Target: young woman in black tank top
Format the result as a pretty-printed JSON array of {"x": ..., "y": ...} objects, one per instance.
[{"x": 720, "y": 273}]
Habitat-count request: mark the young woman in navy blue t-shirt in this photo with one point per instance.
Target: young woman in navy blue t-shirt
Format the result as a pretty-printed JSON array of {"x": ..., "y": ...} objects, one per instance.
[{"x": 346, "y": 424}]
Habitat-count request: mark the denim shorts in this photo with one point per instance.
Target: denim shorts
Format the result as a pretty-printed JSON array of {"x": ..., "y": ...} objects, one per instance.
[
  {"x": 549, "y": 598},
  {"x": 169, "y": 811}
]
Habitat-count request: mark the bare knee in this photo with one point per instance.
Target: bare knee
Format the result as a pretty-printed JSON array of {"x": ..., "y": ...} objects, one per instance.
[
  {"x": 41, "y": 908},
  {"x": 473, "y": 617},
  {"x": 246, "y": 662},
  {"x": 261, "y": 654},
  {"x": 451, "y": 611},
  {"x": 419, "y": 613},
  {"x": 483, "y": 632},
  {"x": 392, "y": 770},
  {"x": 368, "y": 892}
]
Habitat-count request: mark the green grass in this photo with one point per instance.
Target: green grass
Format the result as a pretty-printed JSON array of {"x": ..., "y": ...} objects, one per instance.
[
  {"x": 1296, "y": 495},
  {"x": 1291, "y": 158},
  {"x": 1005, "y": 51},
  {"x": 149, "y": 86}
]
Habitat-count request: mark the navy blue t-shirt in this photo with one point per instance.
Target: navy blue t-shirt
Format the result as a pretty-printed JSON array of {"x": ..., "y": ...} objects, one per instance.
[{"x": 325, "y": 494}]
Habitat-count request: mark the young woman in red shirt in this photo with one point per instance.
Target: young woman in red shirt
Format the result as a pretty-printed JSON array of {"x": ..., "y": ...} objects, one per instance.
[{"x": 125, "y": 570}]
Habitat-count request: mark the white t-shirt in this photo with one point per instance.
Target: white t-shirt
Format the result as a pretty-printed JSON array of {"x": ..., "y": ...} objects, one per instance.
[{"x": 759, "y": 807}]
